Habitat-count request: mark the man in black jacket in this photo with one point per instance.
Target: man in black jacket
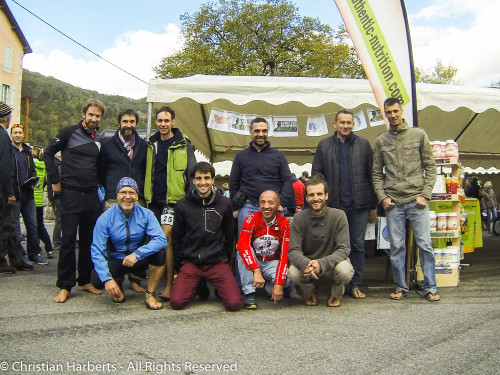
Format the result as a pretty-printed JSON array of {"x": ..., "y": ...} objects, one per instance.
[
  {"x": 202, "y": 241},
  {"x": 24, "y": 179},
  {"x": 80, "y": 205},
  {"x": 345, "y": 160},
  {"x": 7, "y": 198},
  {"x": 124, "y": 155}
]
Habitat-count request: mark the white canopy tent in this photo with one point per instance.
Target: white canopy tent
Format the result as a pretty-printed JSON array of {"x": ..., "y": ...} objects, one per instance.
[{"x": 469, "y": 115}]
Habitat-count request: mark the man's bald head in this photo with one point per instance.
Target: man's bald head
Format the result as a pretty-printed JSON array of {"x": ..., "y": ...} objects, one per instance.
[{"x": 268, "y": 203}]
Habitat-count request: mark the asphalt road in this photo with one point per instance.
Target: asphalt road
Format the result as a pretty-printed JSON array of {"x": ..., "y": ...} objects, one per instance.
[{"x": 90, "y": 335}]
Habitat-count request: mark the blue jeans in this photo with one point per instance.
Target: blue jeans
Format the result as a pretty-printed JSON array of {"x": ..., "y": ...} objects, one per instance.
[
  {"x": 492, "y": 216},
  {"x": 268, "y": 270},
  {"x": 420, "y": 223},
  {"x": 247, "y": 209},
  {"x": 26, "y": 208},
  {"x": 358, "y": 221}
]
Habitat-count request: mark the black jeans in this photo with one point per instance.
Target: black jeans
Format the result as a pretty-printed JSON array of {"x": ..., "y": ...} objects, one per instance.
[
  {"x": 118, "y": 270},
  {"x": 79, "y": 211},
  {"x": 43, "y": 235},
  {"x": 8, "y": 244}
]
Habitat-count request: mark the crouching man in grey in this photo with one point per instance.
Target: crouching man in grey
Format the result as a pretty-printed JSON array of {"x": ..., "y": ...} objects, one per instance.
[{"x": 320, "y": 247}]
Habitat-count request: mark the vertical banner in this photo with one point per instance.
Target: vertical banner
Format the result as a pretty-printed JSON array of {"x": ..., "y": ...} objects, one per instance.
[{"x": 380, "y": 33}]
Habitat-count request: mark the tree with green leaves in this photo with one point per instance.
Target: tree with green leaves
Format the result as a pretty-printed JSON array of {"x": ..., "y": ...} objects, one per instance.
[
  {"x": 439, "y": 74},
  {"x": 252, "y": 37}
]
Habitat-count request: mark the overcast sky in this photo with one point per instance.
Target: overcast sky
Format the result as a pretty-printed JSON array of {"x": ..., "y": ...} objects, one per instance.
[{"x": 135, "y": 35}]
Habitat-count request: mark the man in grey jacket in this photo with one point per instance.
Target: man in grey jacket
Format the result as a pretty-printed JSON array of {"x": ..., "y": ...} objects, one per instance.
[
  {"x": 404, "y": 190},
  {"x": 345, "y": 160},
  {"x": 319, "y": 247}
]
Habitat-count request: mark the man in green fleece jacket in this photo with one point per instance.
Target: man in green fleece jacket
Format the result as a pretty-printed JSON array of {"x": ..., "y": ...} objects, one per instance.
[{"x": 320, "y": 247}]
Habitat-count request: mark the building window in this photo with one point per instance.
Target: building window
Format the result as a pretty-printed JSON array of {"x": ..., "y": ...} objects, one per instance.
[
  {"x": 7, "y": 95},
  {"x": 8, "y": 58}
]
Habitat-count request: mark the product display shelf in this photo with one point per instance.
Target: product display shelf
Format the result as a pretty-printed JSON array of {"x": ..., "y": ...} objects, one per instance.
[{"x": 446, "y": 202}]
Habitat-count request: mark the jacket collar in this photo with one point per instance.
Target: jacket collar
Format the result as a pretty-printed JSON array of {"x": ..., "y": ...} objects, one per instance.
[
  {"x": 399, "y": 129},
  {"x": 213, "y": 197},
  {"x": 349, "y": 138},
  {"x": 89, "y": 132},
  {"x": 252, "y": 147},
  {"x": 178, "y": 137}
]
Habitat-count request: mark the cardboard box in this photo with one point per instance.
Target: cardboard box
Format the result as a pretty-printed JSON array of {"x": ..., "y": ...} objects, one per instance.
[{"x": 445, "y": 276}]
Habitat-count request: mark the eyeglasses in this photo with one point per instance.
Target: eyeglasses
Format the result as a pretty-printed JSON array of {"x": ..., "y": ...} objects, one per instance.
[{"x": 125, "y": 193}]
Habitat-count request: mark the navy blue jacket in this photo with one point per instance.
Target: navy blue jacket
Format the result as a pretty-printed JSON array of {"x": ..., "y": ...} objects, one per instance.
[
  {"x": 254, "y": 172},
  {"x": 114, "y": 164},
  {"x": 6, "y": 163},
  {"x": 23, "y": 193},
  {"x": 327, "y": 162},
  {"x": 80, "y": 153}
]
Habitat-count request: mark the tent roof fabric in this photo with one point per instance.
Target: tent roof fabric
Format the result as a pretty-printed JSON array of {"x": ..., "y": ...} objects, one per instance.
[
  {"x": 468, "y": 115},
  {"x": 312, "y": 92}
]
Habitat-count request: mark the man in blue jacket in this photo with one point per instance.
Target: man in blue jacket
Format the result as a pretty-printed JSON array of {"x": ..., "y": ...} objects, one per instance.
[{"x": 119, "y": 245}]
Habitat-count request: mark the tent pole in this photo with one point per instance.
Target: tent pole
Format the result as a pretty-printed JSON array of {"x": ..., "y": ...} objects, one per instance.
[
  {"x": 148, "y": 130},
  {"x": 210, "y": 158},
  {"x": 466, "y": 126}
]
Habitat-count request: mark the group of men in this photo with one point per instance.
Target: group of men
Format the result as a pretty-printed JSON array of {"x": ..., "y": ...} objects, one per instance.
[
  {"x": 18, "y": 178},
  {"x": 189, "y": 226}
]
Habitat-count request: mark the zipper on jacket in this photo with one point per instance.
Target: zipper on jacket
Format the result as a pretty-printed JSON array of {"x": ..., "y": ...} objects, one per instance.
[{"x": 127, "y": 238}]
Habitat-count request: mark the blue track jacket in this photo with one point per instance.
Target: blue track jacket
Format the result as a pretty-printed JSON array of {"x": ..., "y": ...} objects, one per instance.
[{"x": 116, "y": 237}]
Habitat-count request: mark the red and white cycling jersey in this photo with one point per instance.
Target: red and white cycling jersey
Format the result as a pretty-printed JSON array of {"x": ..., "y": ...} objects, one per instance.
[{"x": 269, "y": 242}]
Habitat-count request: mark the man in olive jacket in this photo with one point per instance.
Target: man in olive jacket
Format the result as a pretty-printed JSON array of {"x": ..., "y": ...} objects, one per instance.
[{"x": 404, "y": 191}]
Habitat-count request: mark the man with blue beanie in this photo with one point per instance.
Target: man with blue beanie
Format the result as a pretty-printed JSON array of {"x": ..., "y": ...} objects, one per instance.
[{"x": 120, "y": 247}]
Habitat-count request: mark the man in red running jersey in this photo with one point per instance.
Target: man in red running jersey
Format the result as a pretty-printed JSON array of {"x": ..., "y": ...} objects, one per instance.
[{"x": 263, "y": 246}]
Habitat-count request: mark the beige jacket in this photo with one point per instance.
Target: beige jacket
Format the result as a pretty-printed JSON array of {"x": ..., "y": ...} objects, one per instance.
[{"x": 410, "y": 169}]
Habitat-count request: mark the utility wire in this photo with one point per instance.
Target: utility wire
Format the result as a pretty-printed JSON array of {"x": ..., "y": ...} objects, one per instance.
[{"x": 81, "y": 45}]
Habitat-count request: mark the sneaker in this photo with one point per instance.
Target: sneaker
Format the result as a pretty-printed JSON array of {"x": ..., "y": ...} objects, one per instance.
[
  {"x": 5, "y": 268},
  {"x": 50, "y": 254},
  {"x": 249, "y": 302},
  {"x": 24, "y": 266},
  {"x": 37, "y": 259}
]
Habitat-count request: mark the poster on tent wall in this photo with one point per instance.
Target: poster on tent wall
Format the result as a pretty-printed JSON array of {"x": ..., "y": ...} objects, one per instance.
[
  {"x": 380, "y": 33},
  {"x": 233, "y": 122},
  {"x": 359, "y": 121},
  {"x": 375, "y": 116},
  {"x": 316, "y": 126},
  {"x": 284, "y": 127}
]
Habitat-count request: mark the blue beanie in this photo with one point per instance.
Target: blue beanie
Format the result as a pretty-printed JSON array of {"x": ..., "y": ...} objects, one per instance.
[{"x": 127, "y": 182}]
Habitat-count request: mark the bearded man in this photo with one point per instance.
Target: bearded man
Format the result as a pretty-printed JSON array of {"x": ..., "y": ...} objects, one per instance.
[{"x": 124, "y": 155}]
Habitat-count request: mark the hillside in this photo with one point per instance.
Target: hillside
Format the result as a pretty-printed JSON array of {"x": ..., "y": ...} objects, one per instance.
[{"x": 55, "y": 104}]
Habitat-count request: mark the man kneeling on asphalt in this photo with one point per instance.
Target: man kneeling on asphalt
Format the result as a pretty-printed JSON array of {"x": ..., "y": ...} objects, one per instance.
[
  {"x": 119, "y": 245},
  {"x": 263, "y": 246},
  {"x": 202, "y": 240},
  {"x": 319, "y": 247}
]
